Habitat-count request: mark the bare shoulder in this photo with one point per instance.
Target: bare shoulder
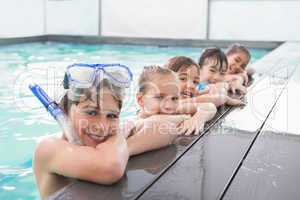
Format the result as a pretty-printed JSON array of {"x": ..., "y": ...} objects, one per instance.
[
  {"x": 47, "y": 181},
  {"x": 46, "y": 149}
]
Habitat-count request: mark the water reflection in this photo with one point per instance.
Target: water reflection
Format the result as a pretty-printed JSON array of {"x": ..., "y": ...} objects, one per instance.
[{"x": 144, "y": 168}]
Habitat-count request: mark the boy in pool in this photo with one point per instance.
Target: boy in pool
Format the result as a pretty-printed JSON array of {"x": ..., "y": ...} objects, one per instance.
[
  {"x": 189, "y": 75},
  {"x": 158, "y": 95},
  {"x": 103, "y": 154}
]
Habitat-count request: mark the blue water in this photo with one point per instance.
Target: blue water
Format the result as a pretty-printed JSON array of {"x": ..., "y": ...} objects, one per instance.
[{"x": 22, "y": 119}]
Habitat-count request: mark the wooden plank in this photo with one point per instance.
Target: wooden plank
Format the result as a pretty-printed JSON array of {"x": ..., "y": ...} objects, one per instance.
[{"x": 271, "y": 170}]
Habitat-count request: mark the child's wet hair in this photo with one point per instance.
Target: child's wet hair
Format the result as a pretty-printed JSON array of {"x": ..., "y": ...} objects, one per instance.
[
  {"x": 236, "y": 48},
  {"x": 178, "y": 62},
  {"x": 215, "y": 55},
  {"x": 66, "y": 103},
  {"x": 148, "y": 73}
]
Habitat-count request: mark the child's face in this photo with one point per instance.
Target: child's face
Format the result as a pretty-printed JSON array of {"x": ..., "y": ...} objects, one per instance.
[
  {"x": 93, "y": 124},
  {"x": 188, "y": 81},
  {"x": 237, "y": 62},
  {"x": 161, "y": 95},
  {"x": 212, "y": 72}
]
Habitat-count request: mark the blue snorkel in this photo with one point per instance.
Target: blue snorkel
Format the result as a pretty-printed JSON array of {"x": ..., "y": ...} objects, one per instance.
[
  {"x": 49, "y": 104},
  {"x": 56, "y": 113}
]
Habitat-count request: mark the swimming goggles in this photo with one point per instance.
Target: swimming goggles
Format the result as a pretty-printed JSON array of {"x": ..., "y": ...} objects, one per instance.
[
  {"x": 85, "y": 75},
  {"x": 81, "y": 76}
]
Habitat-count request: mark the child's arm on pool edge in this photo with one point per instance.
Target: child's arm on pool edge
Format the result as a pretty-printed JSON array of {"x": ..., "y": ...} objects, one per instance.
[
  {"x": 216, "y": 99},
  {"x": 104, "y": 164},
  {"x": 161, "y": 130},
  {"x": 202, "y": 112},
  {"x": 154, "y": 132},
  {"x": 207, "y": 109}
]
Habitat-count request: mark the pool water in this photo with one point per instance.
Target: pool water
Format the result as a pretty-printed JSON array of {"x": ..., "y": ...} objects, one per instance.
[{"x": 23, "y": 121}]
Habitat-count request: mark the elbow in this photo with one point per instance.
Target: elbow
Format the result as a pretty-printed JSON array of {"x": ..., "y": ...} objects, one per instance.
[
  {"x": 212, "y": 107},
  {"x": 114, "y": 171},
  {"x": 211, "y": 110}
]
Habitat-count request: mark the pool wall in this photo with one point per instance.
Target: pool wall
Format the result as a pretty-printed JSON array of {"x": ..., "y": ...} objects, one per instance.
[{"x": 155, "y": 22}]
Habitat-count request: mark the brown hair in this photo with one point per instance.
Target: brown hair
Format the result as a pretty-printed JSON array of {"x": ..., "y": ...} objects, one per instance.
[
  {"x": 215, "y": 54},
  {"x": 66, "y": 103},
  {"x": 235, "y": 48},
  {"x": 178, "y": 62},
  {"x": 147, "y": 74}
]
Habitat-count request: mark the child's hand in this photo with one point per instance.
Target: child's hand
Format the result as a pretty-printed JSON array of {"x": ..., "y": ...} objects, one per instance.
[
  {"x": 217, "y": 99},
  {"x": 220, "y": 88},
  {"x": 154, "y": 132},
  {"x": 236, "y": 87},
  {"x": 234, "y": 102},
  {"x": 245, "y": 76},
  {"x": 205, "y": 112},
  {"x": 242, "y": 77},
  {"x": 193, "y": 125}
]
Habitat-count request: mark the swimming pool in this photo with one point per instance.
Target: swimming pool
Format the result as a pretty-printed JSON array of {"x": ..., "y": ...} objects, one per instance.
[{"x": 23, "y": 121}]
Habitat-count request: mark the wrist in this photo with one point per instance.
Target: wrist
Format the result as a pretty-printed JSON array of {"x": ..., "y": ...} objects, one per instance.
[{"x": 130, "y": 148}]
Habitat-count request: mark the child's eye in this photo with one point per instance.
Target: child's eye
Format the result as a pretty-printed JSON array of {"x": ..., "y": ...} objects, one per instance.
[
  {"x": 112, "y": 116},
  {"x": 91, "y": 112},
  {"x": 175, "y": 98},
  {"x": 212, "y": 70},
  {"x": 182, "y": 78},
  {"x": 196, "y": 82},
  {"x": 159, "y": 97}
]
